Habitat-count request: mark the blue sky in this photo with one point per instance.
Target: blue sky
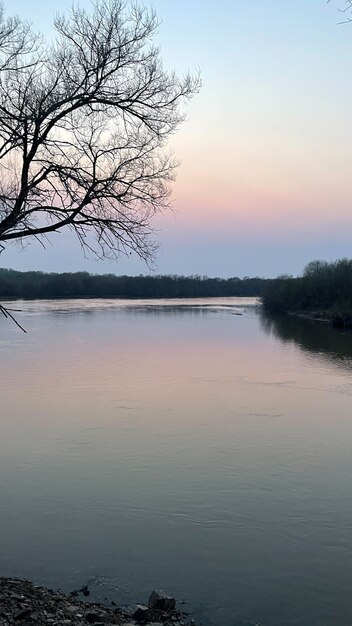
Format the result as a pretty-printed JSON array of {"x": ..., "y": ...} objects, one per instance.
[{"x": 264, "y": 184}]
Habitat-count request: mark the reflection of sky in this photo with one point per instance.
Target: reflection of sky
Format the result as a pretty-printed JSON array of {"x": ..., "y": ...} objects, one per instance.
[
  {"x": 132, "y": 442},
  {"x": 264, "y": 184}
]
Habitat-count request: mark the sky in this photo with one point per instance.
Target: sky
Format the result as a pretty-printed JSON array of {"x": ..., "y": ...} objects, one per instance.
[{"x": 265, "y": 182}]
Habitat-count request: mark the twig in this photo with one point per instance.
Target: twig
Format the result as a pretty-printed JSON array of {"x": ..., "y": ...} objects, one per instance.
[{"x": 6, "y": 313}]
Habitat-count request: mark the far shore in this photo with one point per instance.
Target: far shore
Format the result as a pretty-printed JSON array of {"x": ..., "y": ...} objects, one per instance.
[
  {"x": 326, "y": 317},
  {"x": 314, "y": 316},
  {"x": 322, "y": 293}
]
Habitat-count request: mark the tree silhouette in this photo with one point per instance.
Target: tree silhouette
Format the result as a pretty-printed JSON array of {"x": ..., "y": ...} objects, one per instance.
[
  {"x": 84, "y": 123},
  {"x": 346, "y": 10}
]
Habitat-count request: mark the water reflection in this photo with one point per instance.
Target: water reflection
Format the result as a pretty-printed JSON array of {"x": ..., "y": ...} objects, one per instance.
[
  {"x": 161, "y": 306},
  {"x": 188, "y": 451},
  {"x": 316, "y": 338}
]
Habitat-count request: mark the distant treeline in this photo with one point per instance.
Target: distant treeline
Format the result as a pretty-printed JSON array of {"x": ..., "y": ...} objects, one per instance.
[
  {"x": 324, "y": 290},
  {"x": 32, "y": 285}
]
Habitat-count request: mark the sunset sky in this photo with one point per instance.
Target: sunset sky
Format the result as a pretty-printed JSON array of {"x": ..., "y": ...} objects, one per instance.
[{"x": 265, "y": 182}]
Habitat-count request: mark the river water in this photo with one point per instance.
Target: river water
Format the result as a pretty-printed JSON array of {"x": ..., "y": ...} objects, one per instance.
[{"x": 191, "y": 445}]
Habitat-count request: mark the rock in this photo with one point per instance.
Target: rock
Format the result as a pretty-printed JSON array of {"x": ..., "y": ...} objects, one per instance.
[
  {"x": 92, "y": 617},
  {"x": 17, "y": 597},
  {"x": 160, "y": 601},
  {"x": 141, "y": 613},
  {"x": 27, "y": 605},
  {"x": 71, "y": 608},
  {"x": 22, "y": 614}
]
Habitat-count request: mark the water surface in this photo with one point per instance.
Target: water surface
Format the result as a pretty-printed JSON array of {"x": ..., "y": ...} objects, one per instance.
[{"x": 178, "y": 444}]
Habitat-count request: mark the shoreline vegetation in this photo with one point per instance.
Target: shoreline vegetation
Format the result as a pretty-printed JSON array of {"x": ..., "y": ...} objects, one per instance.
[
  {"x": 323, "y": 293},
  {"x": 23, "y": 603},
  {"x": 39, "y": 285}
]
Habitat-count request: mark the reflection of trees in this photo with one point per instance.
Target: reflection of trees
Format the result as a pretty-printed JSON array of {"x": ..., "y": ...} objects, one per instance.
[
  {"x": 179, "y": 309},
  {"x": 133, "y": 309},
  {"x": 316, "y": 338}
]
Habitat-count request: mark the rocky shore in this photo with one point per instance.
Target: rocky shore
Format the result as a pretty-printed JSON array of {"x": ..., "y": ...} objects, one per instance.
[{"x": 25, "y": 604}]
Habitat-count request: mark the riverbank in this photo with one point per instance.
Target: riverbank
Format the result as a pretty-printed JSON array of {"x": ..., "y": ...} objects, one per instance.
[
  {"x": 25, "y": 604},
  {"x": 322, "y": 293},
  {"x": 338, "y": 320}
]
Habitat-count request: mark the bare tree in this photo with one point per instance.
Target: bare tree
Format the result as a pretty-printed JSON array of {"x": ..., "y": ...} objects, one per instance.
[
  {"x": 16, "y": 40},
  {"x": 84, "y": 124},
  {"x": 346, "y": 10}
]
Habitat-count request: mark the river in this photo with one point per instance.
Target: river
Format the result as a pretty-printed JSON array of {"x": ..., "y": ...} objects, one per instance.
[{"x": 192, "y": 445}]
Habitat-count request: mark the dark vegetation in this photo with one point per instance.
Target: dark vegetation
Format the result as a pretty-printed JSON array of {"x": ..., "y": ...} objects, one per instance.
[
  {"x": 84, "y": 125},
  {"x": 34, "y": 285},
  {"x": 324, "y": 291}
]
